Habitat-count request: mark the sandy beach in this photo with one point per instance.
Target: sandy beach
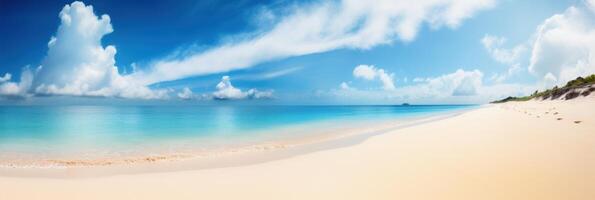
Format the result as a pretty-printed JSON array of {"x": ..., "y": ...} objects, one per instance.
[
  {"x": 300, "y": 99},
  {"x": 519, "y": 150}
]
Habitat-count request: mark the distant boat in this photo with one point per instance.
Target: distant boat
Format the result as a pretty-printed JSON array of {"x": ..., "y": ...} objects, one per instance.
[{"x": 405, "y": 104}]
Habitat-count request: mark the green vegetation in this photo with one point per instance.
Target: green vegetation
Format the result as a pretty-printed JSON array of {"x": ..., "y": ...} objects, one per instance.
[
  {"x": 580, "y": 81},
  {"x": 568, "y": 90}
]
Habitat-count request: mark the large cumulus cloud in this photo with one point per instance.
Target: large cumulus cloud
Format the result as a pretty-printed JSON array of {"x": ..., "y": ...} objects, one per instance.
[
  {"x": 78, "y": 64},
  {"x": 564, "y": 46}
]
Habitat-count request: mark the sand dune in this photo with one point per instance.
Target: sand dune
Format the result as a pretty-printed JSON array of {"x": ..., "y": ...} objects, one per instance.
[{"x": 520, "y": 150}]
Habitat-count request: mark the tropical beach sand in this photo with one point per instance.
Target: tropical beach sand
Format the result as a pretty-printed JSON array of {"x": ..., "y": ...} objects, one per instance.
[{"x": 520, "y": 150}]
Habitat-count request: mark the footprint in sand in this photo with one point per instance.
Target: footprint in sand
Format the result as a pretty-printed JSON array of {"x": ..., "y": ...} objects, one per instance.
[
  {"x": 555, "y": 113},
  {"x": 559, "y": 119},
  {"x": 577, "y": 122}
]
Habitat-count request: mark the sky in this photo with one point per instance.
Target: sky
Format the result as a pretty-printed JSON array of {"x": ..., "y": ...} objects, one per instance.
[{"x": 291, "y": 52}]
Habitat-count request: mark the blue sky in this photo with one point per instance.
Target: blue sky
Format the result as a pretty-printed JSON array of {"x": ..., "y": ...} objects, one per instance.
[{"x": 275, "y": 51}]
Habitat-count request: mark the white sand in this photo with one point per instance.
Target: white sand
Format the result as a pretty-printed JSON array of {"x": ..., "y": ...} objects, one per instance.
[{"x": 499, "y": 152}]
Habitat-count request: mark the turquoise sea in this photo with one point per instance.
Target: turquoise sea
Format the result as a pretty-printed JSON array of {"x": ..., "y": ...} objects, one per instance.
[{"x": 87, "y": 131}]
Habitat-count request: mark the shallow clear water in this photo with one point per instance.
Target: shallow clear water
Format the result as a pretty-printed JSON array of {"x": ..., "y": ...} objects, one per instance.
[{"x": 109, "y": 129}]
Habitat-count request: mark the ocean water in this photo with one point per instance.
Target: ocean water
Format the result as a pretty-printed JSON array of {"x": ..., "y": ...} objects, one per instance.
[{"x": 54, "y": 131}]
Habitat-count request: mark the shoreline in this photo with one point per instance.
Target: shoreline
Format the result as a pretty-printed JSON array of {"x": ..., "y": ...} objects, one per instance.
[
  {"x": 502, "y": 151},
  {"x": 264, "y": 151}
]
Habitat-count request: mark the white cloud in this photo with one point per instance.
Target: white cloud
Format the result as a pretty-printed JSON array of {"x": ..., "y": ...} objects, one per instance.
[
  {"x": 508, "y": 56},
  {"x": 468, "y": 86},
  {"x": 512, "y": 70},
  {"x": 549, "y": 80},
  {"x": 14, "y": 89},
  {"x": 458, "y": 87},
  {"x": 77, "y": 64},
  {"x": 461, "y": 86},
  {"x": 268, "y": 75},
  {"x": 186, "y": 94},
  {"x": 564, "y": 46},
  {"x": 226, "y": 91},
  {"x": 319, "y": 27},
  {"x": 493, "y": 44},
  {"x": 369, "y": 72},
  {"x": 279, "y": 73},
  {"x": 493, "y": 92},
  {"x": 590, "y": 4},
  {"x": 257, "y": 94},
  {"x": 459, "y": 83},
  {"x": 365, "y": 72},
  {"x": 419, "y": 80},
  {"x": 465, "y": 86},
  {"x": 6, "y": 77},
  {"x": 344, "y": 86}
]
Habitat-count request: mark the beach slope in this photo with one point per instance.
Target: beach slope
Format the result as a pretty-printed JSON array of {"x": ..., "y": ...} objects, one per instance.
[{"x": 516, "y": 150}]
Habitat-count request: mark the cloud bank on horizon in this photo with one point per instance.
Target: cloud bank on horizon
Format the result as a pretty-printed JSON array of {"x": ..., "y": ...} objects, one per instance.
[
  {"x": 459, "y": 84},
  {"x": 77, "y": 64}
]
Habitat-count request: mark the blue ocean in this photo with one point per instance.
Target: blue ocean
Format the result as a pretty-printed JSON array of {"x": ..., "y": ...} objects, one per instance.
[{"x": 29, "y": 131}]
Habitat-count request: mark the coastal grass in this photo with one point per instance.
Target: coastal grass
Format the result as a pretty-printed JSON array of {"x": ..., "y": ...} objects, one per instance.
[{"x": 569, "y": 90}]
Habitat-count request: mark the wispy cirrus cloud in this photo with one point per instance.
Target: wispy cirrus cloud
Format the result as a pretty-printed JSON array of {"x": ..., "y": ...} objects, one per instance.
[
  {"x": 319, "y": 27},
  {"x": 493, "y": 45},
  {"x": 268, "y": 75},
  {"x": 511, "y": 57}
]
